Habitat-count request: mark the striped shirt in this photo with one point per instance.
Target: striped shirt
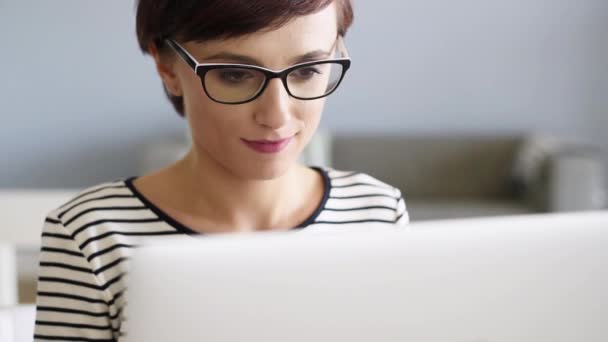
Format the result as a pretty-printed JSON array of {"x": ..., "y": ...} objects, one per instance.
[{"x": 87, "y": 242}]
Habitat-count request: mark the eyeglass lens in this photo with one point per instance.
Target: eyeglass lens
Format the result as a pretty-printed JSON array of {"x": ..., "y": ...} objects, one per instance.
[{"x": 236, "y": 84}]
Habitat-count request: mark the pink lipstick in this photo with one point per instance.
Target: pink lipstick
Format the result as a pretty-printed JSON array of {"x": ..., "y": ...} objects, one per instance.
[{"x": 268, "y": 146}]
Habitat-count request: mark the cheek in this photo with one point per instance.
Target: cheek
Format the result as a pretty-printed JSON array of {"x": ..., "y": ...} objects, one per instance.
[
  {"x": 207, "y": 119},
  {"x": 214, "y": 124},
  {"x": 311, "y": 116},
  {"x": 193, "y": 93}
]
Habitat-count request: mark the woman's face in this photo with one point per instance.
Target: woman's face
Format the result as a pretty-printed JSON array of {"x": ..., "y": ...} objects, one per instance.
[{"x": 226, "y": 134}]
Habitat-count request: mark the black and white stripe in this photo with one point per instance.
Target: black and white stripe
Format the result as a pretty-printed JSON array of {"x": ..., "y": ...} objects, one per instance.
[{"x": 88, "y": 241}]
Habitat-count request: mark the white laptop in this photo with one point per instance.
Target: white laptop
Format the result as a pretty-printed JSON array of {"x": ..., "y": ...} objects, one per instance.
[{"x": 519, "y": 279}]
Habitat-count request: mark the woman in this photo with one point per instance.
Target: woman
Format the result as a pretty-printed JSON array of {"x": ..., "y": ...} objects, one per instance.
[{"x": 251, "y": 79}]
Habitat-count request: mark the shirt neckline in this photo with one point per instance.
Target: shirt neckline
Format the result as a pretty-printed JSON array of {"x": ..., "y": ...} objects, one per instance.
[{"x": 187, "y": 230}]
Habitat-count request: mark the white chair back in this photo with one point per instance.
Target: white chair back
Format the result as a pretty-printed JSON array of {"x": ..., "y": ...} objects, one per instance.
[
  {"x": 8, "y": 276},
  {"x": 17, "y": 323}
]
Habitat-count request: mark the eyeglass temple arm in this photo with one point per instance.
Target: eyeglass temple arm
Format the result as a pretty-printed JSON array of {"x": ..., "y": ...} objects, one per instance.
[
  {"x": 185, "y": 55},
  {"x": 342, "y": 47}
]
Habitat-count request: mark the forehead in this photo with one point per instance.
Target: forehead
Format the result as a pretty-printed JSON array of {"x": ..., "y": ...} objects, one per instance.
[{"x": 274, "y": 48}]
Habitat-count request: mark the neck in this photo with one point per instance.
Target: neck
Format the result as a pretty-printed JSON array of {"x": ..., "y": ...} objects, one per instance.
[{"x": 212, "y": 192}]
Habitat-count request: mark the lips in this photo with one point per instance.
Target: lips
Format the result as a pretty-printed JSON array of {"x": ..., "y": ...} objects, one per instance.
[{"x": 268, "y": 146}]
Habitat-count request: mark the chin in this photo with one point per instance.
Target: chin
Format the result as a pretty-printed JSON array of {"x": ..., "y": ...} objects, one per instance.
[
  {"x": 263, "y": 170},
  {"x": 254, "y": 166}
]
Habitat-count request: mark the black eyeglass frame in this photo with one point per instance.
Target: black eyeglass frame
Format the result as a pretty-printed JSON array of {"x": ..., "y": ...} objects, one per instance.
[{"x": 201, "y": 69}]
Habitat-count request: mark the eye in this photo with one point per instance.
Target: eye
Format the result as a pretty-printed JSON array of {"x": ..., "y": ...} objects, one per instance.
[
  {"x": 234, "y": 75},
  {"x": 306, "y": 72}
]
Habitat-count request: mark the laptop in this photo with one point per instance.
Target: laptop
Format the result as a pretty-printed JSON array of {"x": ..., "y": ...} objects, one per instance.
[{"x": 537, "y": 278}]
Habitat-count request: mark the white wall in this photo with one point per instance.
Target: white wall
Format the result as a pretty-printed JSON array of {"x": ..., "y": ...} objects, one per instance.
[
  {"x": 477, "y": 65},
  {"x": 78, "y": 100},
  {"x": 78, "y": 95}
]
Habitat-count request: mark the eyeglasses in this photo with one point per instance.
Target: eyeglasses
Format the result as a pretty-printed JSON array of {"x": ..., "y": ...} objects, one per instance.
[{"x": 241, "y": 83}]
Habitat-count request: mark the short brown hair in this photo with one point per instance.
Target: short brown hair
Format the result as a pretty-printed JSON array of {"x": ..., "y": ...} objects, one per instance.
[{"x": 200, "y": 20}]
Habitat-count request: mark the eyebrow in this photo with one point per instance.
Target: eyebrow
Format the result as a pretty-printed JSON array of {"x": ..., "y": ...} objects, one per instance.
[{"x": 307, "y": 57}]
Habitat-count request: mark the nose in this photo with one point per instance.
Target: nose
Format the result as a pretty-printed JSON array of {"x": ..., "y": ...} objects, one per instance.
[{"x": 273, "y": 109}]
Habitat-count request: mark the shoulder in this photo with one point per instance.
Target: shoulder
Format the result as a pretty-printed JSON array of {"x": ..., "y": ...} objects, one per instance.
[
  {"x": 356, "y": 196},
  {"x": 108, "y": 193},
  {"x": 99, "y": 227},
  {"x": 352, "y": 183},
  {"x": 343, "y": 176},
  {"x": 104, "y": 214}
]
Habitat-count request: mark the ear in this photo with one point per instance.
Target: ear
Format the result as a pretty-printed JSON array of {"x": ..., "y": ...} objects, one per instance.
[{"x": 166, "y": 70}]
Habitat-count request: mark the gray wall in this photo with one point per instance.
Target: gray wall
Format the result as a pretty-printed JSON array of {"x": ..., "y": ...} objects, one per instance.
[{"x": 79, "y": 101}]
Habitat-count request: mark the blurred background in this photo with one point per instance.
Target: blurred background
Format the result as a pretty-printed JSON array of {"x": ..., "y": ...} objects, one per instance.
[
  {"x": 79, "y": 101},
  {"x": 472, "y": 108}
]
